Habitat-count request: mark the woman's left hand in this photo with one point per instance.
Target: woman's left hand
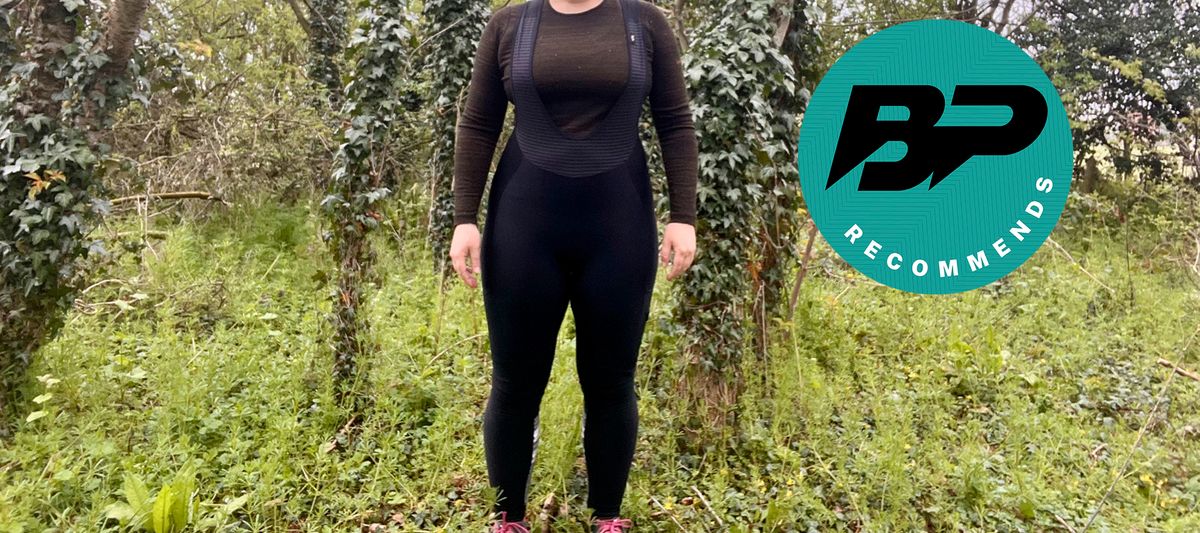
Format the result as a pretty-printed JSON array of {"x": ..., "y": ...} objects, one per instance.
[{"x": 678, "y": 248}]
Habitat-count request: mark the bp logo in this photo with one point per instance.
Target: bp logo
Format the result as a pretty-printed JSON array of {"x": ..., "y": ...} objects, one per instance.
[{"x": 935, "y": 156}]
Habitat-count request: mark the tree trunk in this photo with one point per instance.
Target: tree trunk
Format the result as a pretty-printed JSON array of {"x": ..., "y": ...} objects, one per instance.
[
  {"x": 780, "y": 219},
  {"x": 1091, "y": 175},
  {"x": 52, "y": 31},
  {"x": 327, "y": 38},
  {"x": 36, "y": 303},
  {"x": 449, "y": 24},
  {"x": 124, "y": 21}
]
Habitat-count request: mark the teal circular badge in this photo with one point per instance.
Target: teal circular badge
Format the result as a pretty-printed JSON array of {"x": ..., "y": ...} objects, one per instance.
[{"x": 935, "y": 156}]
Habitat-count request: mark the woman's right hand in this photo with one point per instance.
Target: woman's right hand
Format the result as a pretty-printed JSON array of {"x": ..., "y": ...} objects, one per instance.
[{"x": 464, "y": 246}]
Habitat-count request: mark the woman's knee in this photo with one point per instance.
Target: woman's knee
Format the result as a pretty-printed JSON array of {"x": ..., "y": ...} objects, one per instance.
[
  {"x": 515, "y": 397},
  {"x": 607, "y": 391}
]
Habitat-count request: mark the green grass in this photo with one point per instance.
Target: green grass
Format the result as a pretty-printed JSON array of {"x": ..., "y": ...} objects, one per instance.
[{"x": 1010, "y": 408}]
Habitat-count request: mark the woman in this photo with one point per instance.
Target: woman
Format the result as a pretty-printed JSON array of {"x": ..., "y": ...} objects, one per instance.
[{"x": 570, "y": 221}]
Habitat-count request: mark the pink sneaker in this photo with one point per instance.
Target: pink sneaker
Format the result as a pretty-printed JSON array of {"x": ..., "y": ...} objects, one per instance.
[
  {"x": 613, "y": 525},
  {"x": 504, "y": 526}
]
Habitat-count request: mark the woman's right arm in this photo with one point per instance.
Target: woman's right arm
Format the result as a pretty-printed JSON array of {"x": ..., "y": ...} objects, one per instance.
[
  {"x": 479, "y": 124},
  {"x": 479, "y": 127}
]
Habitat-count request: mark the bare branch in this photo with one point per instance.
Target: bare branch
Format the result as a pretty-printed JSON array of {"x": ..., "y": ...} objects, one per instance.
[
  {"x": 800, "y": 275},
  {"x": 181, "y": 195},
  {"x": 1181, "y": 371},
  {"x": 680, "y": 34},
  {"x": 300, "y": 18}
]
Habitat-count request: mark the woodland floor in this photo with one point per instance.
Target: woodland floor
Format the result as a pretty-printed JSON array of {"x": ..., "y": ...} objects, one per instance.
[{"x": 1009, "y": 408}]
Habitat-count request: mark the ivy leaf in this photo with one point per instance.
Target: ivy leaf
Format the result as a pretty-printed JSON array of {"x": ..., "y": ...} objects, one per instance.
[
  {"x": 37, "y": 122},
  {"x": 38, "y": 184}
]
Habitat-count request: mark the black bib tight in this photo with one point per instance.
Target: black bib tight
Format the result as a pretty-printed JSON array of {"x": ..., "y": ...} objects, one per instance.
[
  {"x": 570, "y": 221},
  {"x": 550, "y": 241}
]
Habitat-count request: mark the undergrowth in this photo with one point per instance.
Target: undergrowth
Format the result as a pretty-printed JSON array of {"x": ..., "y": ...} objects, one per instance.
[{"x": 1009, "y": 408}]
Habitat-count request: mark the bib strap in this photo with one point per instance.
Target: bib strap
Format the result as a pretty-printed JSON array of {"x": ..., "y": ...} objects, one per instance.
[{"x": 610, "y": 142}]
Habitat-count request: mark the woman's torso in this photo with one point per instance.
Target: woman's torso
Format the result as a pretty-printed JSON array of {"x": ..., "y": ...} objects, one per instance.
[{"x": 580, "y": 62}]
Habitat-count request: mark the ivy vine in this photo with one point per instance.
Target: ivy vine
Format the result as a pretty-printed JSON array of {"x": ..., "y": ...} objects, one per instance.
[
  {"x": 376, "y": 102},
  {"x": 326, "y": 38},
  {"x": 780, "y": 180},
  {"x": 63, "y": 77},
  {"x": 453, "y": 28},
  {"x": 735, "y": 71}
]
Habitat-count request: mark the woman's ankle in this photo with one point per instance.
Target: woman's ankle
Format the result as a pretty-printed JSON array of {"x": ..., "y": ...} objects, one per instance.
[{"x": 508, "y": 515}]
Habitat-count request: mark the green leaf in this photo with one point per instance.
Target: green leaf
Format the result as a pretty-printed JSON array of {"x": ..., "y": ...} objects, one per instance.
[
  {"x": 135, "y": 491},
  {"x": 236, "y": 503},
  {"x": 35, "y": 415},
  {"x": 160, "y": 518},
  {"x": 179, "y": 511},
  {"x": 119, "y": 511}
]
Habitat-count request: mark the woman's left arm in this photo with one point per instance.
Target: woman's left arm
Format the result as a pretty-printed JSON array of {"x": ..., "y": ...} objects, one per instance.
[{"x": 672, "y": 113}]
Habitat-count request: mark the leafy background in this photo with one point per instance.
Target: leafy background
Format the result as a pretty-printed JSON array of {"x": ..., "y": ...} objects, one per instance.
[{"x": 185, "y": 377}]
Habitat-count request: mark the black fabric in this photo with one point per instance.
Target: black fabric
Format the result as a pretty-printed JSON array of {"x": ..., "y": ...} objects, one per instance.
[{"x": 557, "y": 236}]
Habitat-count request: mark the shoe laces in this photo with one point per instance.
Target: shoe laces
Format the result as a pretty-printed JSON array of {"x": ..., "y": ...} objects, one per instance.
[
  {"x": 613, "y": 525},
  {"x": 504, "y": 526}
]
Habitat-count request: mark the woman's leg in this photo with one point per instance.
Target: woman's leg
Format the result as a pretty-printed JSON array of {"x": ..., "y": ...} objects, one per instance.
[
  {"x": 525, "y": 300},
  {"x": 609, "y": 299},
  {"x": 608, "y": 334}
]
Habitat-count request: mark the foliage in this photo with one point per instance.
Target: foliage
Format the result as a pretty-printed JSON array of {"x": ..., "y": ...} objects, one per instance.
[
  {"x": 731, "y": 67},
  {"x": 231, "y": 112},
  {"x": 376, "y": 103},
  {"x": 1003, "y": 409},
  {"x": 327, "y": 36},
  {"x": 8, "y": 49},
  {"x": 1128, "y": 72},
  {"x": 845, "y": 22},
  {"x": 452, "y": 29},
  {"x": 171, "y": 510},
  {"x": 780, "y": 180},
  {"x": 53, "y": 99}
]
